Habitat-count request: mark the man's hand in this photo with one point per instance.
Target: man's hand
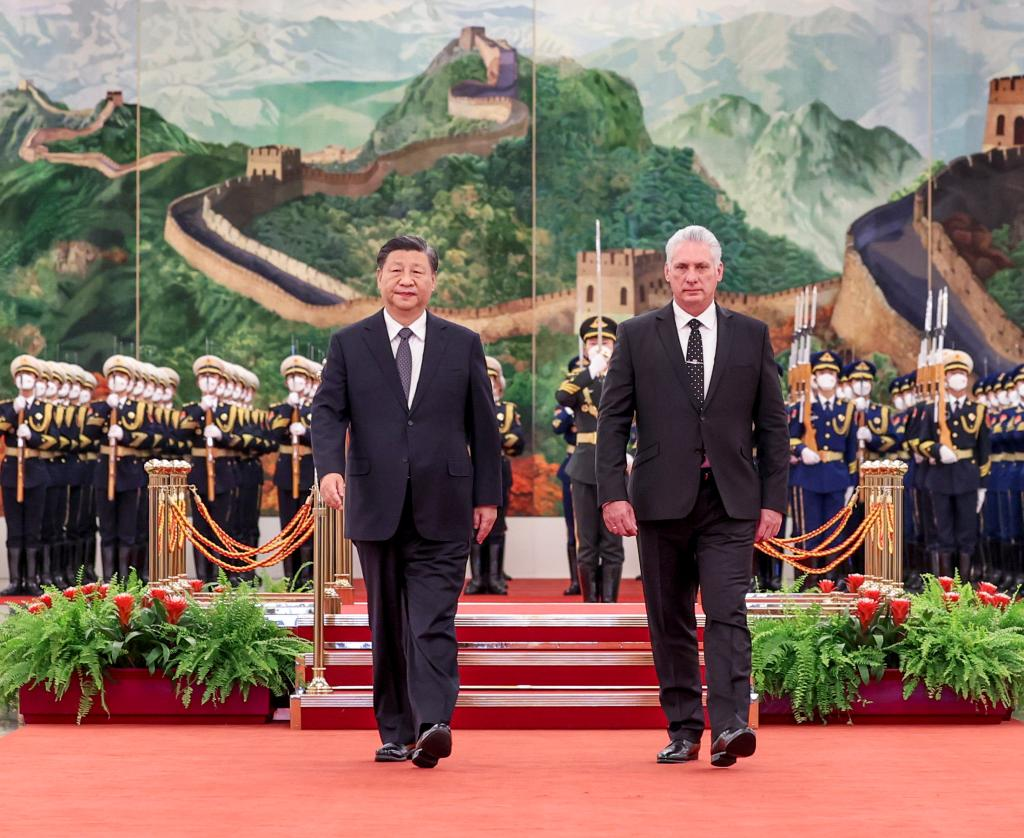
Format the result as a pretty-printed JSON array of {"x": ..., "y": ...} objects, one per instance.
[
  {"x": 332, "y": 489},
  {"x": 483, "y": 519},
  {"x": 619, "y": 517},
  {"x": 768, "y": 526}
]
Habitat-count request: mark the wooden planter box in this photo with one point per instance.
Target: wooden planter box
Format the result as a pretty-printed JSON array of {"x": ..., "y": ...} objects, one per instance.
[
  {"x": 887, "y": 705},
  {"x": 134, "y": 696}
]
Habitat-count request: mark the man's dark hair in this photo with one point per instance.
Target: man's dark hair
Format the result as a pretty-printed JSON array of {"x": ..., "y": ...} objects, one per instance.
[{"x": 407, "y": 243}]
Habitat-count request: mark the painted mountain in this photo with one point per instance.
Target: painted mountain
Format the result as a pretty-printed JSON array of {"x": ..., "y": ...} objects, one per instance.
[{"x": 804, "y": 174}]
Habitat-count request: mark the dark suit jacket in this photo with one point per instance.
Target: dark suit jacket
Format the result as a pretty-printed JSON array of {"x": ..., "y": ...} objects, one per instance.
[
  {"x": 743, "y": 411},
  {"x": 446, "y": 445}
]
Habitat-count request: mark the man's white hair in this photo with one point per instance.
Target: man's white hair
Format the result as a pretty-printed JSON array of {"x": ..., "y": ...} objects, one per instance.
[{"x": 694, "y": 233}]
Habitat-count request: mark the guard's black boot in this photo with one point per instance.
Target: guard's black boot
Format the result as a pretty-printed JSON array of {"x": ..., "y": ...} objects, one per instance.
[
  {"x": 16, "y": 569},
  {"x": 46, "y": 576},
  {"x": 108, "y": 562},
  {"x": 58, "y": 572},
  {"x": 476, "y": 583},
  {"x": 496, "y": 568},
  {"x": 610, "y": 576},
  {"x": 69, "y": 562},
  {"x": 32, "y": 572},
  {"x": 999, "y": 573},
  {"x": 945, "y": 563},
  {"x": 1014, "y": 548},
  {"x": 965, "y": 566},
  {"x": 588, "y": 582},
  {"x": 85, "y": 559},
  {"x": 124, "y": 560},
  {"x": 574, "y": 577},
  {"x": 306, "y": 559},
  {"x": 140, "y": 561}
]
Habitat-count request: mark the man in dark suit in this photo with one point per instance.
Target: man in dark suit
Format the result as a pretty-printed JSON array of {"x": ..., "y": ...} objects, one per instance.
[
  {"x": 422, "y": 472},
  {"x": 703, "y": 385}
]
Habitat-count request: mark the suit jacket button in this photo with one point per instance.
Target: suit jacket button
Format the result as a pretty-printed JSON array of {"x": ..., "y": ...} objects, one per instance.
[
  {"x": 409, "y": 423},
  {"x": 405, "y": 459}
]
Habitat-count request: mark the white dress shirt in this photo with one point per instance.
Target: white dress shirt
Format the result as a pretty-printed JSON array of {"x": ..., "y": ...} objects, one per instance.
[
  {"x": 708, "y": 336},
  {"x": 416, "y": 344}
]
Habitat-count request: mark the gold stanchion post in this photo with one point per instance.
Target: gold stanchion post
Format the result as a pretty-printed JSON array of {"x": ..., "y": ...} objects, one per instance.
[{"x": 318, "y": 684}]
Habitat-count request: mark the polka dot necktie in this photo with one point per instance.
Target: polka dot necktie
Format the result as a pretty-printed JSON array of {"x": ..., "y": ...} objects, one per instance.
[
  {"x": 403, "y": 357},
  {"x": 695, "y": 363}
]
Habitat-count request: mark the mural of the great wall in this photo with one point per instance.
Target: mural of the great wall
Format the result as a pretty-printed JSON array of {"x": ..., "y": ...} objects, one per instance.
[{"x": 269, "y": 177}]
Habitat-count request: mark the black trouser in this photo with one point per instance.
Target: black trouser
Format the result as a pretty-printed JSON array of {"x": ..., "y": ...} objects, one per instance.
[
  {"x": 119, "y": 518},
  {"x": 24, "y": 520},
  {"x": 595, "y": 543},
  {"x": 55, "y": 513},
  {"x": 287, "y": 509},
  {"x": 708, "y": 549},
  {"x": 956, "y": 521},
  {"x": 412, "y": 590}
]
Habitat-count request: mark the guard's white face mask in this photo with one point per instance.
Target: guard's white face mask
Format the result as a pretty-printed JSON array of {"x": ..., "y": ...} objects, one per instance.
[
  {"x": 898, "y": 403},
  {"x": 826, "y": 380},
  {"x": 957, "y": 381}
]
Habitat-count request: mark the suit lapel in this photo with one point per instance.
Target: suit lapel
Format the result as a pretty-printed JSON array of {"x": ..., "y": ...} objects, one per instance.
[
  {"x": 666, "y": 326},
  {"x": 376, "y": 336},
  {"x": 723, "y": 350},
  {"x": 437, "y": 339}
]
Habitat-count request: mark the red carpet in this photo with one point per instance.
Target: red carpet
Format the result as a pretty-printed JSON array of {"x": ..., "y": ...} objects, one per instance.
[{"x": 815, "y": 781}]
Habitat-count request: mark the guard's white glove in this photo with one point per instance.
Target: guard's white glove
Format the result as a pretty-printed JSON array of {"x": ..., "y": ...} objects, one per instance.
[
  {"x": 848, "y": 494},
  {"x": 947, "y": 455},
  {"x": 810, "y": 457},
  {"x": 569, "y": 411},
  {"x": 629, "y": 463},
  {"x": 598, "y": 364},
  {"x": 20, "y": 403},
  {"x": 24, "y": 431},
  {"x": 297, "y": 429},
  {"x": 981, "y": 500},
  {"x": 864, "y": 434},
  {"x": 212, "y": 432},
  {"x": 113, "y": 400},
  {"x": 918, "y": 458},
  {"x": 208, "y": 402},
  {"x": 115, "y": 433},
  {"x": 294, "y": 399}
]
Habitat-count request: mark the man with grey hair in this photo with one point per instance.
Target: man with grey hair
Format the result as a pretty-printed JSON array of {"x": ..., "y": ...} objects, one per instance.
[{"x": 702, "y": 383}]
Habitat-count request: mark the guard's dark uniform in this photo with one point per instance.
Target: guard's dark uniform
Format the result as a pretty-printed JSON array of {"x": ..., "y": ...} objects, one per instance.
[
  {"x": 282, "y": 416},
  {"x": 564, "y": 424},
  {"x": 599, "y": 552},
  {"x": 954, "y": 487},
  {"x": 25, "y": 519}
]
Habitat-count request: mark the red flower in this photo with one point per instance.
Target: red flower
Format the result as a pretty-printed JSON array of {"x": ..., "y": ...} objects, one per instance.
[
  {"x": 70, "y": 593},
  {"x": 196, "y": 584},
  {"x": 871, "y": 593},
  {"x": 951, "y": 596},
  {"x": 854, "y": 581},
  {"x": 899, "y": 608},
  {"x": 826, "y": 586},
  {"x": 36, "y": 607},
  {"x": 175, "y": 606},
  {"x": 1001, "y": 601},
  {"x": 158, "y": 593},
  {"x": 89, "y": 589},
  {"x": 985, "y": 597},
  {"x": 46, "y": 600},
  {"x": 866, "y": 609},
  {"x": 104, "y": 589},
  {"x": 125, "y": 603},
  {"x": 219, "y": 589},
  {"x": 946, "y": 582},
  {"x": 987, "y": 587}
]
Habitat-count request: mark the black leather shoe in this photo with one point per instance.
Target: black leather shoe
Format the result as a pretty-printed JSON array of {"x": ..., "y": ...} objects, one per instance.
[
  {"x": 731, "y": 745},
  {"x": 679, "y": 750},
  {"x": 435, "y": 744},
  {"x": 390, "y": 752}
]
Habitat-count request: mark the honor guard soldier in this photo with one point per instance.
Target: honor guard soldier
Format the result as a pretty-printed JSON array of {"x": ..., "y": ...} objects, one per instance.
[
  {"x": 126, "y": 440},
  {"x": 564, "y": 424},
  {"x": 293, "y": 476},
  {"x": 957, "y": 441},
  {"x": 487, "y": 560},
  {"x": 25, "y": 422},
  {"x": 901, "y": 395},
  {"x": 823, "y": 478},
  {"x": 872, "y": 420},
  {"x": 1002, "y": 510},
  {"x": 69, "y": 551},
  {"x": 209, "y": 424},
  {"x": 82, "y": 525},
  {"x": 256, "y": 442},
  {"x": 599, "y": 552}
]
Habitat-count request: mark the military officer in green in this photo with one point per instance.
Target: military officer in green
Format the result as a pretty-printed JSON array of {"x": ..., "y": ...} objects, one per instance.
[
  {"x": 599, "y": 552},
  {"x": 487, "y": 560}
]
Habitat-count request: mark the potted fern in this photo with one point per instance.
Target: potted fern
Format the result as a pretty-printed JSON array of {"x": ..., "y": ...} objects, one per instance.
[
  {"x": 147, "y": 654},
  {"x": 949, "y": 652}
]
